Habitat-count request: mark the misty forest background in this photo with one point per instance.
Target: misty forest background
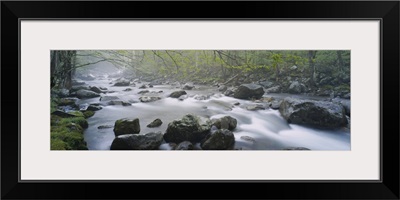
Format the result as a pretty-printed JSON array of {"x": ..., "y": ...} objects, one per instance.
[{"x": 321, "y": 72}]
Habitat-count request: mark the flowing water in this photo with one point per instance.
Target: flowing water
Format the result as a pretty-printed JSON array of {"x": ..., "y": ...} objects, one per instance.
[{"x": 268, "y": 129}]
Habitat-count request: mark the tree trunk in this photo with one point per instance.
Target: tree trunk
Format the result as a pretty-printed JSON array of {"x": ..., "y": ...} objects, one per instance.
[{"x": 311, "y": 57}]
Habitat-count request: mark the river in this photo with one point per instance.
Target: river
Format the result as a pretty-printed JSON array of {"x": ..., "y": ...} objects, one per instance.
[{"x": 268, "y": 129}]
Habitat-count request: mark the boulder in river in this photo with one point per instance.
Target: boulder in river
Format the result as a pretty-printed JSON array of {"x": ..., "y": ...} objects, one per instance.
[
  {"x": 248, "y": 91},
  {"x": 67, "y": 102},
  {"x": 177, "y": 94},
  {"x": 226, "y": 122},
  {"x": 95, "y": 89},
  {"x": 147, "y": 99},
  {"x": 320, "y": 114},
  {"x": 143, "y": 92},
  {"x": 219, "y": 140},
  {"x": 127, "y": 89},
  {"x": 123, "y": 103},
  {"x": 84, "y": 94},
  {"x": 143, "y": 86},
  {"x": 190, "y": 128},
  {"x": 122, "y": 82},
  {"x": 148, "y": 141},
  {"x": 156, "y": 123},
  {"x": 126, "y": 126},
  {"x": 93, "y": 107},
  {"x": 185, "y": 145}
]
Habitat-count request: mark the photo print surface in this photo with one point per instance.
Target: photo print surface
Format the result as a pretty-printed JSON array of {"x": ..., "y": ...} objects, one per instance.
[{"x": 200, "y": 100}]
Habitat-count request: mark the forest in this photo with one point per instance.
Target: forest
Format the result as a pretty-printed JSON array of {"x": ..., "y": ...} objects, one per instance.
[{"x": 200, "y": 99}]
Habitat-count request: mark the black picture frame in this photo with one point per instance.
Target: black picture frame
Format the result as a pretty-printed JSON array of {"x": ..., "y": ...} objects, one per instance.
[{"x": 386, "y": 11}]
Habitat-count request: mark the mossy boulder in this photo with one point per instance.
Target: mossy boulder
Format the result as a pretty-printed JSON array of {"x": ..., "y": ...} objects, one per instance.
[
  {"x": 126, "y": 126},
  {"x": 190, "y": 128},
  {"x": 88, "y": 113}
]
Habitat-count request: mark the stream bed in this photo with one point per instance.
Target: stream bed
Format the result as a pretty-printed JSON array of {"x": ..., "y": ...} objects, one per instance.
[{"x": 266, "y": 129}]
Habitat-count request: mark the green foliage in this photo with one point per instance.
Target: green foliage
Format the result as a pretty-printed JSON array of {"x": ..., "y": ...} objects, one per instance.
[
  {"x": 77, "y": 113},
  {"x": 63, "y": 138}
]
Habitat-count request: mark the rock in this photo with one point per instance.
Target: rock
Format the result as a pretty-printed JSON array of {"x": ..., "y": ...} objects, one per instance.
[
  {"x": 103, "y": 88},
  {"x": 95, "y": 89},
  {"x": 147, "y": 99},
  {"x": 76, "y": 88},
  {"x": 296, "y": 148},
  {"x": 150, "y": 85},
  {"x": 105, "y": 126},
  {"x": 143, "y": 86},
  {"x": 346, "y": 96},
  {"x": 188, "y": 86},
  {"x": 219, "y": 140},
  {"x": 149, "y": 141},
  {"x": 345, "y": 103},
  {"x": 67, "y": 102},
  {"x": 275, "y": 104},
  {"x": 122, "y": 82},
  {"x": 190, "y": 128},
  {"x": 320, "y": 114},
  {"x": 143, "y": 92},
  {"x": 255, "y": 107},
  {"x": 230, "y": 91},
  {"x": 177, "y": 94},
  {"x": 88, "y": 113},
  {"x": 236, "y": 103},
  {"x": 61, "y": 92},
  {"x": 62, "y": 114},
  {"x": 222, "y": 88},
  {"x": 185, "y": 145},
  {"x": 248, "y": 138},
  {"x": 156, "y": 123},
  {"x": 123, "y": 103},
  {"x": 248, "y": 91},
  {"x": 275, "y": 89},
  {"x": 126, "y": 126},
  {"x": 266, "y": 84},
  {"x": 108, "y": 98},
  {"x": 127, "y": 89},
  {"x": 93, "y": 108},
  {"x": 82, "y": 94},
  {"x": 296, "y": 88},
  {"x": 226, "y": 122}
]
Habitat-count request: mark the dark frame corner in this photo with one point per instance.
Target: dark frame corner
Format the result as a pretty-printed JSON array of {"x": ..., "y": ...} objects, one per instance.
[{"x": 386, "y": 11}]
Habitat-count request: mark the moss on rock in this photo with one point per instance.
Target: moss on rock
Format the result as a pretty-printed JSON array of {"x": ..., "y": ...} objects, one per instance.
[{"x": 88, "y": 114}]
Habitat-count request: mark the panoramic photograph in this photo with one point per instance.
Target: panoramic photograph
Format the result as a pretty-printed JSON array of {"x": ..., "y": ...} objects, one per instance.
[{"x": 279, "y": 100}]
